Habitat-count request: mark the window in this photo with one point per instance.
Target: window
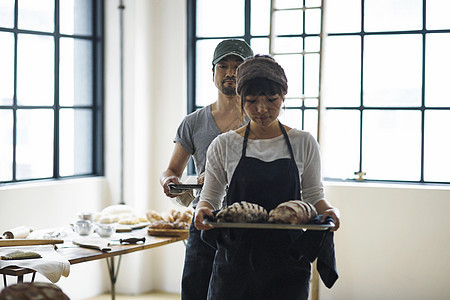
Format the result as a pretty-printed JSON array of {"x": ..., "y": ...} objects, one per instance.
[
  {"x": 297, "y": 31},
  {"x": 384, "y": 87},
  {"x": 50, "y": 89},
  {"x": 385, "y": 90}
]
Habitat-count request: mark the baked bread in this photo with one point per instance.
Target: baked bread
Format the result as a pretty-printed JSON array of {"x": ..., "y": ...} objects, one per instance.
[
  {"x": 153, "y": 216},
  {"x": 172, "y": 219},
  {"x": 162, "y": 224},
  {"x": 201, "y": 178},
  {"x": 33, "y": 291},
  {"x": 293, "y": 212},
  {"x": 242, "y": 212}
]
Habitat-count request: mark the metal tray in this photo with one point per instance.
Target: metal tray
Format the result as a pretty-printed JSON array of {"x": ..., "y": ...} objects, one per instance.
[
  {"x": 269, "y": 225},
  {"x": 181, "y": 188}
]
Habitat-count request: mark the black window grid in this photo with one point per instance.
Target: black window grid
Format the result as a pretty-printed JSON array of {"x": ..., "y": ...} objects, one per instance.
[
  {"x": 97, "y": 87},
  {"x": 192, "y": 39},
  {"x": 422, "y": 108}
]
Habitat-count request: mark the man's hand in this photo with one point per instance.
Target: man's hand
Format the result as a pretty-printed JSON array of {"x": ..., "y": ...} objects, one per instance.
[{"x": 165, "y": 184}]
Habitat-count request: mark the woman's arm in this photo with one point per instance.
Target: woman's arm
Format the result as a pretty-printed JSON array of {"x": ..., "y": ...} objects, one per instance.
[
  {"x": 213, "y": 189},
  {"x": 312, "y": 185}
]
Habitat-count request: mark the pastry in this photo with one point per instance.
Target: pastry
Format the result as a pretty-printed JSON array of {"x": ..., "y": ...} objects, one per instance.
[
  {"x": 153, "y": 216},
  {"x": 201, "y": 178}
]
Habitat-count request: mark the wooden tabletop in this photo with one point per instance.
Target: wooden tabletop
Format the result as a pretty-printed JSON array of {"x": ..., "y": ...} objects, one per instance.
[{"x": 75, "y": 254}]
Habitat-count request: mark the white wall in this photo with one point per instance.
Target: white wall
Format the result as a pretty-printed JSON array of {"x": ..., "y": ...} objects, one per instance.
[{"x": 394, "y": 241}]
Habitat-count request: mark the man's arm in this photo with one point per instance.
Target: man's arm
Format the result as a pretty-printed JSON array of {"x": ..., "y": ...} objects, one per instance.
[{"x": 177, "y": 164}]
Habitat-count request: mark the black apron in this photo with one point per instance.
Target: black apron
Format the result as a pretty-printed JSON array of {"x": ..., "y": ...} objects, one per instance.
[{"x": 255, "y": 264}]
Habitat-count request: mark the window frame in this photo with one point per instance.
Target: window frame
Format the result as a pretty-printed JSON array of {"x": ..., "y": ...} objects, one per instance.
[
  {"x": 192, "y": 40},
  {"x": 362, "y": 108},
  {"x": 96, "y": 108},
  {"x": 191, "y": 71}
]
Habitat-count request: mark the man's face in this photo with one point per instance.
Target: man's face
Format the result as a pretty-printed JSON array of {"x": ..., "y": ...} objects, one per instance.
[{"x": 224, "y": 74}]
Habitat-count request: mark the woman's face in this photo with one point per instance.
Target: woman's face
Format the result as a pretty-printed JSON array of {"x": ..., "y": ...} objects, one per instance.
[{"x": 263, "y": 109}]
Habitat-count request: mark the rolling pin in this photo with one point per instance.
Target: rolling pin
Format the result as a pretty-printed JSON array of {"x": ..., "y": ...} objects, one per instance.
[{"x": 20, "y": 232}]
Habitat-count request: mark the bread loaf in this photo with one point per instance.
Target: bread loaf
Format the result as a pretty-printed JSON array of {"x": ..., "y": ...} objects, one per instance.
[
  {"x": 33, "y": 291},
  {"x": 293, "y": 212},
  {"x": 242, "y": 212}
]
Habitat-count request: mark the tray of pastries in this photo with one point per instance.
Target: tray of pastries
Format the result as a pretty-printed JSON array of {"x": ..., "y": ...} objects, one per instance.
[
  {"x": 294, "y": 214},
  {"x": 173, "y": 223}
]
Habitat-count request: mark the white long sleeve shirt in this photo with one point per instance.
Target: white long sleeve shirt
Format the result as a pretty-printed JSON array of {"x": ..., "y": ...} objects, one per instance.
[{"x": 225, "y": 152}]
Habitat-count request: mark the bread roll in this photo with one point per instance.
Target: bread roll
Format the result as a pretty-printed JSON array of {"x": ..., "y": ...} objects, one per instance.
[
  {"x": 201, "y": 178},
  {"x": 162, "y": 224},
  {"x": 167, "y": 216},
  {"x": 293, "y": 212},
  {"x": 242, "y": 212},
  {"x": 153, "y": 216}
]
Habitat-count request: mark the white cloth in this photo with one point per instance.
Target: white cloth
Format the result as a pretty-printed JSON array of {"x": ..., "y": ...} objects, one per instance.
[
  {"x": 225, "y": 152},
  {"x": 52, "y": 265}
]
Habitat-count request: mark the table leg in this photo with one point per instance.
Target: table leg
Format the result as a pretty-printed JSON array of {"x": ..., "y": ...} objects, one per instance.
[
  {"x": 19, "y": 279},
  {"x": 113, "y": 272},
  {"x": 314, "y": 282}
]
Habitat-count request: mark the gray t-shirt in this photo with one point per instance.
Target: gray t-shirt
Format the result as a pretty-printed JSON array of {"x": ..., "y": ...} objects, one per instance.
[{"x": 195, "y": 133}]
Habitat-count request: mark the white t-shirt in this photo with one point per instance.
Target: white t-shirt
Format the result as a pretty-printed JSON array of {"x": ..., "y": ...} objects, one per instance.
[{"x": 225, "y": 152}]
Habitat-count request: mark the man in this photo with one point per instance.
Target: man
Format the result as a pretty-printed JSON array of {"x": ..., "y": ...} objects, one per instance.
[{"x": 193, "y": 137}]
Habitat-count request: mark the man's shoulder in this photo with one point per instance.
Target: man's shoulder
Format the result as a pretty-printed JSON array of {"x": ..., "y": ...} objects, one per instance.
[{"x": 200, "y": 114}]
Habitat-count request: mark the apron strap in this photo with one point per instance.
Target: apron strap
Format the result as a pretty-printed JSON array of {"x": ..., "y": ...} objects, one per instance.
[{"x": 244, "y": 145}]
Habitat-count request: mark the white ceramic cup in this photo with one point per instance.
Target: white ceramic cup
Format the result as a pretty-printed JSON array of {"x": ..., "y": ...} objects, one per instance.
[
  {"x": 83, "y": 227},
  {"x": 105, "y": 230}
]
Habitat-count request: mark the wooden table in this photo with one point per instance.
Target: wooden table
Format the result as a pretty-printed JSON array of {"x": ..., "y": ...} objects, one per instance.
[{"x": 77, "y": 255}]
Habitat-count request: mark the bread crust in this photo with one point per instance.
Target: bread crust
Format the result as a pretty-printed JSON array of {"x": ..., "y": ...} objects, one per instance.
[
  {"x": 242, "y": 212},
  {"x": 293, "y": 212}
]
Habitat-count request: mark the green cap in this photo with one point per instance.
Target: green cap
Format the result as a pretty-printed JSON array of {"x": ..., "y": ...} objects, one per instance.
[{"x": 231, "y": 47}]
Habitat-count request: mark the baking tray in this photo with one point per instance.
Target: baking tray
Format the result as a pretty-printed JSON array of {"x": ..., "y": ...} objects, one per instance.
[
  {"x": 269, "y": 225},
  {"x": 181, "y": 188}
]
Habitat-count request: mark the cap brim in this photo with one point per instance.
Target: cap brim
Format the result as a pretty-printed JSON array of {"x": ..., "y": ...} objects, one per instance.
[{"x": 228, "y": 54}]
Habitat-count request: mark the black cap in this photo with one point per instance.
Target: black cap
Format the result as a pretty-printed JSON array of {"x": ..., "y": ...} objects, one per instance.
[{"x": 231, "y": 47}]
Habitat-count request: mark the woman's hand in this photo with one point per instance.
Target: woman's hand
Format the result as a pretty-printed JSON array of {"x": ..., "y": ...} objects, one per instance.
[
  {"x": 200, "y": 213},
  {"x": 324, "y": 208},
  {"x": 334, "y": 213}
]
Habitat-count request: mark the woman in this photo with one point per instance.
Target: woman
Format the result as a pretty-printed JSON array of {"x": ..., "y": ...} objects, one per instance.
[{"x": 266, "y": 163}]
